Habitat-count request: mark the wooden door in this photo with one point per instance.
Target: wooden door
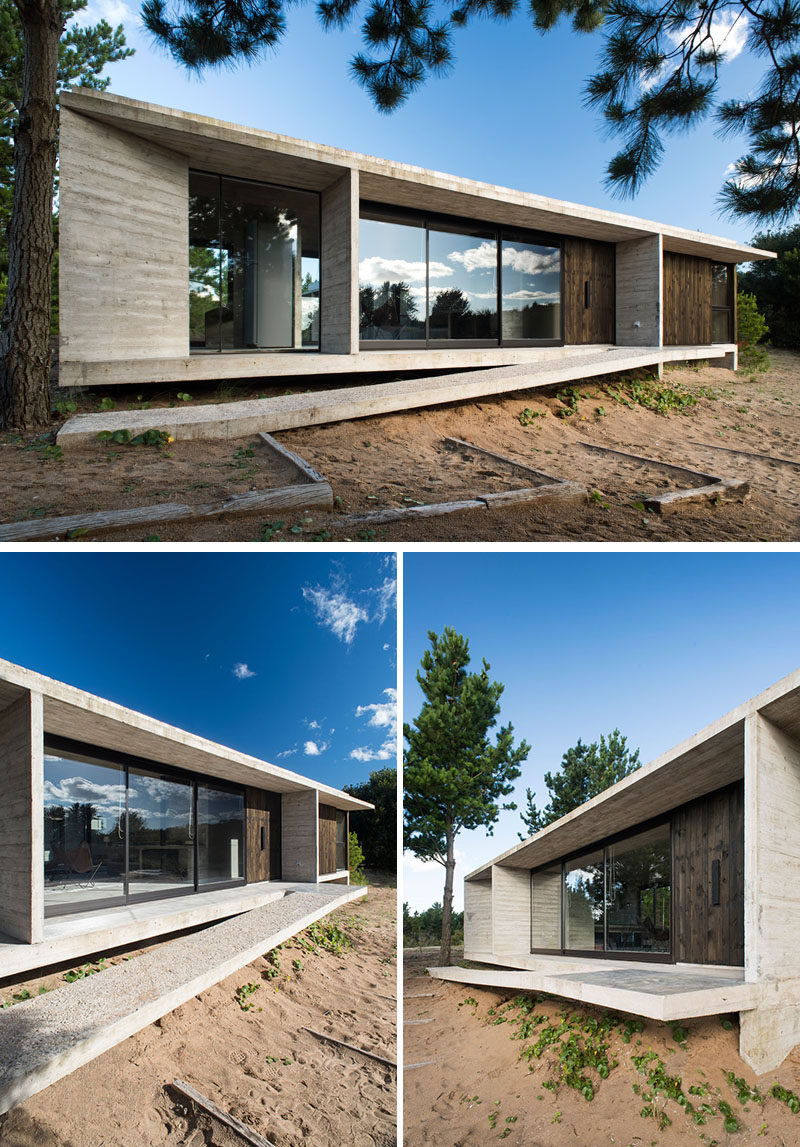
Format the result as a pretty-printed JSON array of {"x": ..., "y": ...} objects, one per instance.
[
  {"x": 687, "y": 300},
  {"x": 589, "y": 291},
  {"x": 263, "y": 835}
]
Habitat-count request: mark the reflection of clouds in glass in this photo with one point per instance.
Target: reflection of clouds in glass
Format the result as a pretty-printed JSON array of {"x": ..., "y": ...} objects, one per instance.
[
  {"x": 80, "y": 790},
  {"x": 378, "y": 270},
  {"x": 529, "y": 296},
  {"x": 530, "y": 262},
  {"x": 482, "y": 258}
]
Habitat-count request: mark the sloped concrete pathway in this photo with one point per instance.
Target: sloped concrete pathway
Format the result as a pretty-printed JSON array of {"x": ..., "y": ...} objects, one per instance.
[{"x": 44, "y": 1039}]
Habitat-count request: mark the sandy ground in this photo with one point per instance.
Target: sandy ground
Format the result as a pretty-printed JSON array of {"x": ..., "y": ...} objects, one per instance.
[
  {"x": 257, "y": 1064},
  {"x": 477, "y": 1089},
  {"x": 400, "y": 460}
]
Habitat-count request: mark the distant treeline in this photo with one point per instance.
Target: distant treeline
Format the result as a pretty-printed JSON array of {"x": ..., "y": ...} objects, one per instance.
[{"x": 424, "y": 929}]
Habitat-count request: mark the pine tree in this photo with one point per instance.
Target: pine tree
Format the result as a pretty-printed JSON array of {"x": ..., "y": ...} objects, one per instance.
[
  {"x": 36, "y": 60},
  {"x": 586, "y": 770},
  {"x": 454, "y": 775}
]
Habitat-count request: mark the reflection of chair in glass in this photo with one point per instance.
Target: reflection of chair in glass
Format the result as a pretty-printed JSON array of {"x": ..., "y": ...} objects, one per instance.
[{"x": 78, "y": 862}]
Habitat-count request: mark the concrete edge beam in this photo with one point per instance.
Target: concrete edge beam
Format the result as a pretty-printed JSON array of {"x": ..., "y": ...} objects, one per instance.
[{"x": 17, "y": 1090}]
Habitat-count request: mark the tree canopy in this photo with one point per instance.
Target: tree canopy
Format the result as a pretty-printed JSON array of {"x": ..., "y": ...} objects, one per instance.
[
  {"x": 659, "y": 74},
  {"x": 455, "y": 775},
  {"x": 586, "y": 770},
  {"x": 377, "y": 831},
  {"x": 776, "y": 285}
]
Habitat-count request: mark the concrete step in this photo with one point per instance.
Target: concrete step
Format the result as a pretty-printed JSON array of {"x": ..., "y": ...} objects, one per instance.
[
  {"x": 46, "y": 1038},
  {"x": 238, "y": 419}
]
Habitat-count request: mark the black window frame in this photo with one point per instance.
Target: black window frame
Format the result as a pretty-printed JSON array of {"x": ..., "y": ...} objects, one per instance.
[
  {"x": 730, "y": 306},
  {"x": 385, "y": 213}
]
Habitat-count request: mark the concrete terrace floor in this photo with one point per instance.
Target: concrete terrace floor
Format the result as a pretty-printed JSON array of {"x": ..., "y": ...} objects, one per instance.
[
  {"x": 82, "y": 934},
  {"x": 659, "y": 991},
  {"x": 47, "y": 1037}
]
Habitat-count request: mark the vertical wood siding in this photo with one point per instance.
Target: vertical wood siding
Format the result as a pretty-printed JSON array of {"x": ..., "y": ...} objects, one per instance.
[
  {"x": 327, "y": 839},
  {"x": 263, "y": 809},
  {"x": 588, "y": 260},
  {"x": 687, "y": 300},
  {"x": 709, "y": 829}
]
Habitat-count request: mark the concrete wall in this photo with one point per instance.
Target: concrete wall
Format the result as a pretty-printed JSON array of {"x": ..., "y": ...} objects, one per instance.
[
  {"x": 477, "y": 916},
  {"x": 299, "y": 836},
  {"x": 511, "y": 910},
  {"x": 639, "y": 292},
  {"x": 546, "y": 894},
  {"x": 21, "y": 831},
  {"x": 772, "y": 893},
  {"x": 124, "y": 244},
  {"x": 339, "y": 266}
]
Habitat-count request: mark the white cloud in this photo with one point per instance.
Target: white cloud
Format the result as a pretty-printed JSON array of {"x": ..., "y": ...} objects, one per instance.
[
  {"x": 242, "y": 671},
  {"x": 377, "y": 270},
  {"x": 335, "y": 610},
  {"x": 382, "y": 715},
  {"x": 312, "y": 724},
  {"x": 482, "y": 258},
  {"x": 287, "y": 753},
  {"x": 114, "y": 11},
  {"x": 727, "y": 32},
  {"x": 528, "y": 295},
  {"x": 528, "y": 262},
  {"x": 386, "y": 646},
  {"x": 312, "y": 749},
  {"x": 385, "y": 595}
]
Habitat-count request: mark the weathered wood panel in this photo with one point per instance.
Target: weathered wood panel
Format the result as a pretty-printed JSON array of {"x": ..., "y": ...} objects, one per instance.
[
  {"x": 21, "y": 832},
  {"x": 327, "y": 839},
  {"x": 687, "y": 300},
  {"x": 263, "y": 810},
  {"x": 706, "y": 831},
  {"x": 588, "y": 277}
]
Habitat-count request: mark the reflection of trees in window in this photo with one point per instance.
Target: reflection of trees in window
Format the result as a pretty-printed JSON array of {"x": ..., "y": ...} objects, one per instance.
[
  {"x": 450, "y": 302},
  {"x": 389, "y": 311}
]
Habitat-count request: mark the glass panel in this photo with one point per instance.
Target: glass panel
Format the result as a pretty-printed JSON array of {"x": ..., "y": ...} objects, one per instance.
[
  {"x": 270, "y": 245},
  {"x": 220, "y": 835},
  {"x": 583, "y": 891},
  {"x": 391, "y": 280},
  {"x": 720, "y": 326},
  {"x": 546, "y": 907},
  {"x": 161, "y": 836},
  {"x": 531, "y": 291},
  {"x": 84, "y": 833},
  {"x": 341, "y": 840},
  {"x": 638, "y": 881},
  {"x": 720, "y": 296},
  {"x": 462, "y": 272},
  {"x": 206, "y": 306}
]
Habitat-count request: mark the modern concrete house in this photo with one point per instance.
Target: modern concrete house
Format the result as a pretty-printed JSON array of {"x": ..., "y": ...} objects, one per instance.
[
  {"x": 116, "y": 827},
  {"x": 673, "y": 894},
  {"x": 192, "y": 249}
]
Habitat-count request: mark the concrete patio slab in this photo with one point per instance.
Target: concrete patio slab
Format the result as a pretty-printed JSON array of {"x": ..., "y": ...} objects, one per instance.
[{"x": 46, "y": 1038}]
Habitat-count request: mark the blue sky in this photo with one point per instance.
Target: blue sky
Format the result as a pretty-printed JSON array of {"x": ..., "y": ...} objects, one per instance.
[
  {"x": 658, "y": 645},
  {"x": 510, "y": 113},
  {"x": 290, "y": 657}
]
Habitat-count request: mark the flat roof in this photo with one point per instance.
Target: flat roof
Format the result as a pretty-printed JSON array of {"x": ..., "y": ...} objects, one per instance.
[
  {"x": 72, "y": 712},
  {"x": 707, "y": 760},
  {"x": 231, "y": 149}
]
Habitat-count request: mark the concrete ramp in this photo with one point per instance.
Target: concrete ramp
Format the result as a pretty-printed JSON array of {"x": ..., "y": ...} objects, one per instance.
[
  {"x": 238, "y": 419},
  {"x": 45, "y": 1038},
  {"x": 676, "y": 993}
]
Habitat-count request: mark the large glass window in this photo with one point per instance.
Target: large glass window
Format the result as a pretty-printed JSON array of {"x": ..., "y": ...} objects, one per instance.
[
  {"x": 462, "y": 269},
  {"x": 341, "y": 840},
  {"x": 391, "y": 280},
  {"x": 160, "y": 833},
  {"x": 531, "y": 291},
  {"x": 721, "y": 303},
  {"x": 84, "y": 832},
  {"x": 638, "y": 892},
  {"x": 583, "y": 902},
  {"x": 253, "y": 265},
  {"x": 220, "y": 828}
]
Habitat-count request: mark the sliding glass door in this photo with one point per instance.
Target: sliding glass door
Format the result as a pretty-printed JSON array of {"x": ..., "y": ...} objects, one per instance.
[
  {"x": 614, "y": 900},
  {"x": 160, "y": 833}
]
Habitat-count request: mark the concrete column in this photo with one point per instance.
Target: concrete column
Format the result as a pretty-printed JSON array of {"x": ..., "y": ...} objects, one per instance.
[
  {"x": 639, "y": 292},
  {"x": 477, "y": 916},
  {"x": 772, "y": 893},
  {"x": 300, "y": 836},
  {"x": 339, "y": 266},
  {"x": 21, "y": 829},
  {"x": 511, "y": 911}
]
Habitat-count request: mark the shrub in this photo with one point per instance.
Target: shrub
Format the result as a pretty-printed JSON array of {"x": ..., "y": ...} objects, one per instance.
[
  {"x": 752, "y": 328},
  {"x": 356, "y": 861}
]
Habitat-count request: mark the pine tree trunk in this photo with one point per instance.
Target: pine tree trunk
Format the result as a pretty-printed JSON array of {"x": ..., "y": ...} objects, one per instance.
[
  {"x": 25, "y": 337},
  {"x": 447, "y": 903}
]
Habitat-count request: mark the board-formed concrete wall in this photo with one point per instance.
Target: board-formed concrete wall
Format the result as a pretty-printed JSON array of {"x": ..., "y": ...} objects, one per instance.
[
  {"x": 772, "y": 893},
  {"x": 21, "y": 832},
  {"x": 339, "y": 312},
  {"x": 639, "y": 292},
  {"x": 511, "y": 910},
  {"x": 477, "y": 916},
  {"x": 299, "y": 836},
  {"x": 124, "y": 245}
]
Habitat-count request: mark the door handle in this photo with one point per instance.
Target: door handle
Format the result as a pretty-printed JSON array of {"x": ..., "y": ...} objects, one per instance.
[
  {"x": 587, "y": 294},
  {"x": 263, "y": 838}
]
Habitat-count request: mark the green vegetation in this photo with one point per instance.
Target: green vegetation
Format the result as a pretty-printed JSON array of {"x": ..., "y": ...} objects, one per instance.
[
  {"x": 86, "y": 970},
  {"x": 752, "y": 329},
  {"x": 652, "y": 394},
  {"x": 356, "y": 861},
  {"x": 151, "y": 437},
  {"x": 528, "y": 417},
  {"x": 329, "y": 937},
  {"x": 377, "y": 831},
  {"x": 775, "y": 283},
  {"x": 242, "y": 996},
  {"x": 424, "y": 929}
]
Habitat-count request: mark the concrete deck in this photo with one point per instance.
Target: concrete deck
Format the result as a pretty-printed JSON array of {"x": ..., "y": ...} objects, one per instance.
[
  {"x": 82, "y": 933},
  {"x": 46, "y": 1038},
  {"x": 657, "y": 991},
  {"x": 237, "y": 419}
]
